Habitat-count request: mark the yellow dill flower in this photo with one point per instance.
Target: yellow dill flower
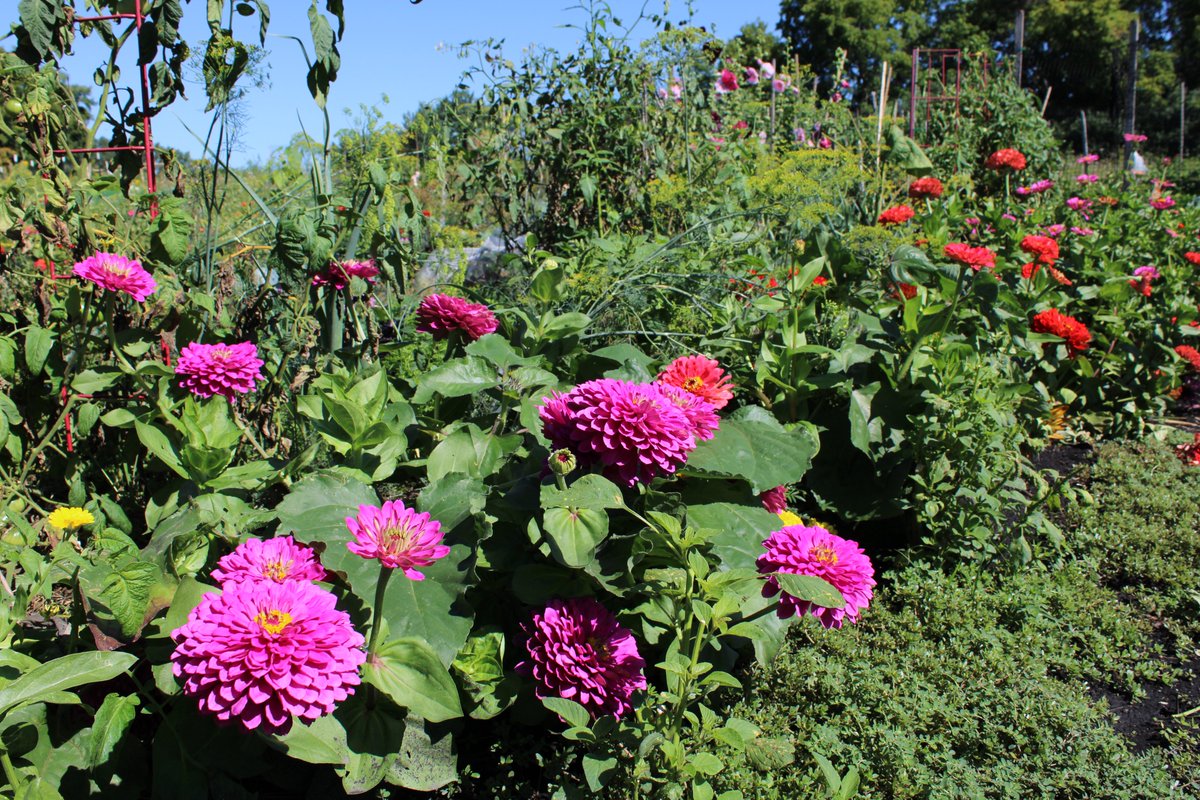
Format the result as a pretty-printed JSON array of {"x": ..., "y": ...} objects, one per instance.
[
  {"x": 1057, "y": 423},
  {"x": 70, "y": 517}
]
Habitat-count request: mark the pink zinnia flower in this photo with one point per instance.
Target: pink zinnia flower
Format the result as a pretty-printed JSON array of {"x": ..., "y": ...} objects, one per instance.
[
  {"x": 727, "y": 82},
  {"x": 1085, "y": 178},
  {"x": 224, "y": 369},
  {"x": 579, "y": 651},
  {"x": 774, "y": 500},
  {"x": 1134, "y": 137},
  {"x": 339, "y": 273},
  {"x": 1146, "y": 272},
  {"x": 1055, "y": 230},
  {"x": 1082, "y": 231},
  {"x": 700, "y": 413},
  {"x": 263, "y": 653},
  {"x": 781, "y": 84},
  {"x": 1090, "y": 158},
  {"x": 700, "y": 375},
  {"x": 441, "y": 315},
  {"x": 634, "y": 430},
  {"x": 751, "y": 76},
  {"x": 1162, "y": 203},
  {"x": 1037, "y": 187},
  {"x": 1078, "y": 204},
  {"x": 115, "y": 273},
  {"x": 279, "y": 559},
  {"x": 804, "y": 550},
  {"x": 397, "y": 536}
]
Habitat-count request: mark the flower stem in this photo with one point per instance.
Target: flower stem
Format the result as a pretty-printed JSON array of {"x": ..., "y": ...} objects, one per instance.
[
  {"x": 385, "y": 574},
  {"x": 10, "y": 773}
]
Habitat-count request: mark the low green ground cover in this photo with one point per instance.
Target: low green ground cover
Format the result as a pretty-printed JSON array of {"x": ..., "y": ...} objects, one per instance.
[{"x": 974, "y": 684}]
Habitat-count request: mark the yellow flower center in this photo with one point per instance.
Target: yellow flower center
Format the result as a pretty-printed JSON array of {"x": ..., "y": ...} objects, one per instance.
[
  {"x": 274, "y": 620},
  {"x": 277, "y": 570},
  {"x": 693, "y": 384},
  {"x": 824, "y": 553},
  {"x": 222, "y": 353},
  {"x": 396, "y": 540},
  {"x": 121, "y": 272}
]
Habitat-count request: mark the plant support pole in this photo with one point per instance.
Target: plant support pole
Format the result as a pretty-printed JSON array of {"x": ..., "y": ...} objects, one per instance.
[{"x": 1130, "y": 95}]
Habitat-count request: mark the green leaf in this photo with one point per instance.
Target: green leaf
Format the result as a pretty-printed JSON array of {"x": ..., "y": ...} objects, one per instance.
[
  {"x": 321, "y": 742},
  {"x": 423, "y": 763},
  {"x": 452, "y": 499},
  {"x": 496, "y": 349},
  {"x": 468, "y": 450},
  {"x": 574, "y": 534},
  {"x": 571, "y": 712},
  {"x": 170, "y": 239},
  {"x": 411, "y": 674},
  {"x": 65, "y": 672},
  {"x": 752, "y": 445},
  {"x": 187, "y": 597},
  {"x": 589, "y": 491},
  {"x": 157, "y": 443},
  {"x": 707, "y": 763},
  {"x": 598, "y": 771},
  {"x": 38, "y": 343},
  {"x": 862, "y": 431},
  {"x": 457, "y": 378},
  {"x": 112, "y": 721},
  {"x": 906, "y": 153},
  {"x": 815, "y": 590},
  {"x": 767, "y": 754},
  {"x": 315, "y": 512},
  {"x": 90, "y": 381}
]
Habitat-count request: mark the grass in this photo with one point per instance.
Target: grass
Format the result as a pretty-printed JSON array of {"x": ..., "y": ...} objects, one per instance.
[{"x": 976, "y": 684}]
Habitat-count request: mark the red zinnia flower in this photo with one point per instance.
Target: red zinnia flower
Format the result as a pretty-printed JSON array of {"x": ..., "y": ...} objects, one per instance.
[
  {"x": 441, "y": 315},
  {"x": 895, "y": 215},
  {"x": 1013, "y": 159},
  {"x": 973, "y": 257},
  {"x": 904, "y": 291},
  {"x": 1193, "y": 258},
  {"x": 925, "y": 187},
  {"x": 1054, "y": 322},
  {"x": 1189, "y": 453},
  {"x": 1043, "y": 248},
  {"x": 1191, "y": 354},
  {"x": 700, "y": 375}
]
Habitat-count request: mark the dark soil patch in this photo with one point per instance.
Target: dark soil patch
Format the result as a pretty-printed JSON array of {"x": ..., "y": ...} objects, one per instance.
[
  {"x": 1144, "y": 721},
  {"x": 1066, "y": 459}
]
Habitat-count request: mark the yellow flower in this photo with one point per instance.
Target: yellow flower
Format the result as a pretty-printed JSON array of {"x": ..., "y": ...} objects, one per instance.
[
  {"x": 70, "y": 517},
  {"x": 789, "y": 518}
]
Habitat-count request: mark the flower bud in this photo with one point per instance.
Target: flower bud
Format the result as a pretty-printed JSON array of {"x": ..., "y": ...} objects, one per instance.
[{"x": 562, "y": 462}]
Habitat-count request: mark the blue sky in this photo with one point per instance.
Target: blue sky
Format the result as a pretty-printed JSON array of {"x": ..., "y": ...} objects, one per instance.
[{"x": 407, "y": 52}]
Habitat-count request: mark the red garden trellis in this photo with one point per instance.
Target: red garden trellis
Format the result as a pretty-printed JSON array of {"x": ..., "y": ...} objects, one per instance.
[
  {"x": 147, "y": 150},
  {"x": 937, "y": 78},
  {"x": 147, "y": 145}
]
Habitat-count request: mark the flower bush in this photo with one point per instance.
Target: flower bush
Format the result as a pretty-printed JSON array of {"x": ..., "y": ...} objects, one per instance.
[{"x": 600, "y": 476}]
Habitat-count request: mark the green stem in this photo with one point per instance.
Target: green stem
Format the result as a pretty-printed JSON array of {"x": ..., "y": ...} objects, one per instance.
[
  {"x": 10, "y": 772},
  {"x": 385, "y": 574}
]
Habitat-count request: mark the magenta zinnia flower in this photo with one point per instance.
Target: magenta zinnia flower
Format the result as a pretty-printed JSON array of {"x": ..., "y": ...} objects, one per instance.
[
  {"x": 279, "y": 559},
  {"x": 804, "y": 550},
  {"x": 224, "y": 369},
  {"x": 579, "y": 651},
  {"x": 441, "y": 315},
  {"x": 339, "y": 273},
  {"x": 263, "y": 653},
  {"x": 700, "y": 413},
  {"x": 116, "y": 273},
  {"x": 774, "y": 500},
  {"x": 398, "y": 536},
  {"x": 634, "y": 430},
  {"x": 727, "y": 82}
]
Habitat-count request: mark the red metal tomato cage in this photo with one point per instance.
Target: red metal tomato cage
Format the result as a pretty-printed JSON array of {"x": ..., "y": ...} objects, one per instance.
[{"x": 147, "y": 145}]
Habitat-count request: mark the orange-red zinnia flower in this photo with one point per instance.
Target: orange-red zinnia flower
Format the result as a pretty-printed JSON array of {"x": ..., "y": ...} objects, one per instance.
[
  {"x": 1054, "y": 322},
  {"x": 1013, "y": 159},
  {"x": 973, "y": 257},
  {"x": 700, "y": 375},
  {"x": 895, "y": 215}
]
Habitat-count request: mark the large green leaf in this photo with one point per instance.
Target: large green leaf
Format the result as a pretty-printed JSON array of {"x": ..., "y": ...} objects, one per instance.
[
  {"x": 412, "y": 675},
  {"x": 38, "y": 342},
  {"x": 112, "y": 721},
  {"x": 811, "y": 588},
  {"x": 315, "y": 512},
  {"x": 65, "y": 672},
  {"x": 457, "y": 378},
  {"x": 752, "y": 445},
  {"x": 574, "y": 534},
  {"x": 468, "y": 450},
  {"x": 424, "y": 764}
]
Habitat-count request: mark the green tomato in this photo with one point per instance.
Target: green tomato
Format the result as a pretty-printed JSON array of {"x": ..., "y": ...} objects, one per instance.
[
  {"x": 16, "y": 505},
  {"x": 14, "y": 106}
]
